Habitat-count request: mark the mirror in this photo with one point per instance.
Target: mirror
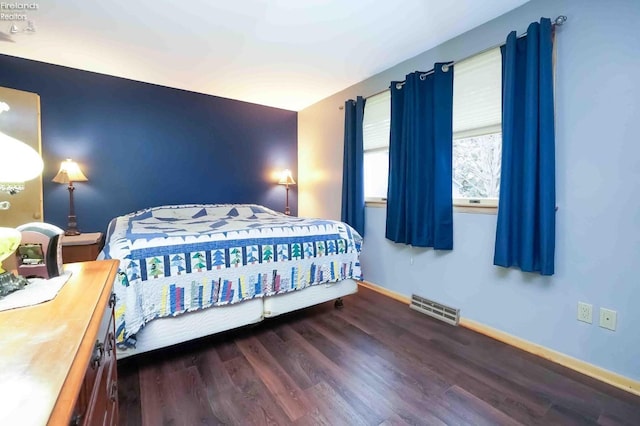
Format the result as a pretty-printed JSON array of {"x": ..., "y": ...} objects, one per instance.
[{"x": 22, "y": 121}]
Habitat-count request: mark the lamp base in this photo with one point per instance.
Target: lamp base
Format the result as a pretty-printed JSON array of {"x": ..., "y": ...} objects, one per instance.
[
  {"x": 10, "y": 283},
  {"x": 287, "y": 211},
  {"x": 72, "y": 226}
]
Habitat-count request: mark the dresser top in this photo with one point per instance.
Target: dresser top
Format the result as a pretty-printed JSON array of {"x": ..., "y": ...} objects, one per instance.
[{"x": 45, "y": 349}]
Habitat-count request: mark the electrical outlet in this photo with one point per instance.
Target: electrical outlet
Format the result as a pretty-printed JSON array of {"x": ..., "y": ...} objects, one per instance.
[
  {"x": 585, "y": 312},
  {"x": 608, "y": 319}
]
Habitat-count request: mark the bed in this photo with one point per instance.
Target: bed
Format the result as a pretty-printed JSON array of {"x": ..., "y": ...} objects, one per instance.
[{"x": 189, "y": 271}]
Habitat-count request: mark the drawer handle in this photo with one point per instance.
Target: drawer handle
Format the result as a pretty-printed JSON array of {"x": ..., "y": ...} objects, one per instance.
[
  {"x": 76, "y": 420},
  {"x": 110, "y": 340},
  {"x": 98, "y": 354},
  {"x": 112, "y": 300},
  {"x": 113, "y": 394}
]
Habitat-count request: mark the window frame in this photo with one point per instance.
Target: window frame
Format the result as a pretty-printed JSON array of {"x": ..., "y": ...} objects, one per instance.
[
  {"x": 470, "y": 126},
  {"x": 370, "y": 199},
  {"x": 476, "y": 203},
  {"x": 385, "y": 95}
]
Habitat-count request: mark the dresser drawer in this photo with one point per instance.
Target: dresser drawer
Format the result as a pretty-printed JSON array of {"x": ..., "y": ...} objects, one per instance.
[
  {"x": 105, "y": 396},
  {"x": 97, "y": 402},
  {"x": 99, "y": 351}
]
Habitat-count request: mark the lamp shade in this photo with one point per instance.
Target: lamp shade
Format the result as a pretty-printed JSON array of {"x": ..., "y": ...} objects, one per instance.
[
  {"x": 286, "y": 178},
  {"x": 69, "y": 172},
  {"x": 9, "y": 241},
  {"x": 18, "y": 161}
]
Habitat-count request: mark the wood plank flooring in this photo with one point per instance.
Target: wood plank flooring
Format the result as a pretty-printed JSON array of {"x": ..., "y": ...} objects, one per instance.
[{"x": 375, "y": 362}]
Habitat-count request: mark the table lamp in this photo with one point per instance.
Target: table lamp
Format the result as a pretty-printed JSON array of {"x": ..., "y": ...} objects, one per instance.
[
  {"x": 18, "y": 163},
  {"x": 286, "y": 179},
  {"x": 69, "y": 173}
]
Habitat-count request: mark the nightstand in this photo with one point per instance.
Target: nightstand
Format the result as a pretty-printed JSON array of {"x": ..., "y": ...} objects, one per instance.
[{"x": 81, "y": 248}]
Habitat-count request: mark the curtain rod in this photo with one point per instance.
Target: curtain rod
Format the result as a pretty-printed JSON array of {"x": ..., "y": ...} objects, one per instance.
[{"x": 445, "y": 67}]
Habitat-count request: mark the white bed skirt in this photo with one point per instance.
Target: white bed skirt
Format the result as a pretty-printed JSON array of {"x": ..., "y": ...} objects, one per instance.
[
  {"x": 163, "y": 332},
  {"x": 287, "y": 302}
]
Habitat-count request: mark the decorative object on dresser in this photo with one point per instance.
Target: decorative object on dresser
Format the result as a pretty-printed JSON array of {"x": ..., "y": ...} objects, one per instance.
[
  {"x": 81, "y": 247},
  {"x": 38, "y": 291},
  {"x": 286, "y": 179},
  {"x": 70, "y": 172},
  {"x": 58, "y": 357},
  {"x": 39, "y": 255},
  {"x": 9, "y": 241}
]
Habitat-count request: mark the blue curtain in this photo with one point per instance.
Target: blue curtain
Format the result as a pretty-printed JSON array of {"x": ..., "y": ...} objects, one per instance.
[
  {"x": 352, "y": 166},
  {"x": 419, "y": 196},
  {"x": 525, "y": 236}
]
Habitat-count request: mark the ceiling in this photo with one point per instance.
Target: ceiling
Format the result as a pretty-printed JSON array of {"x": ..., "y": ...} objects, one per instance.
[{"x": 282, "y": 53}]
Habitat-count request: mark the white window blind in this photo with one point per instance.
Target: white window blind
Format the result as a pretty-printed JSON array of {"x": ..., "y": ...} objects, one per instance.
[
  {"x": 477, "y": 139},
  {"x": 377, "y": 122},
  {"x": 477, "y": 105},
  {"x": 376, "y": 127}
]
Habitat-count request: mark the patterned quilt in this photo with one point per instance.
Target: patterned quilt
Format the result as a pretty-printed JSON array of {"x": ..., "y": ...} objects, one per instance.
[{"x": 176, "y": 259}]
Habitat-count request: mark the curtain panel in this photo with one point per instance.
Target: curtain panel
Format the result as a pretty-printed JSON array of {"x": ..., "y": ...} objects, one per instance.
[
  {"x": 525, "y": 235},
  {"x": 419, "y": 195},
  {"x": 353, "y": 165}
]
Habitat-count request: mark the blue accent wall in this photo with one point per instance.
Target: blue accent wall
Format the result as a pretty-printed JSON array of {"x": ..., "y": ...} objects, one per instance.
[{"x": 144, "y": 145}]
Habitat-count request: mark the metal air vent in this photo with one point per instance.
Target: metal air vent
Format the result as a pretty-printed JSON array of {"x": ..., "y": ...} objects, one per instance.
[{"x": 435, "y": 309}]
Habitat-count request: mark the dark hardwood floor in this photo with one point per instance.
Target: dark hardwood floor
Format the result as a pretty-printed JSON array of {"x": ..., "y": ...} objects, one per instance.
[{"x": 375, "y": 362}]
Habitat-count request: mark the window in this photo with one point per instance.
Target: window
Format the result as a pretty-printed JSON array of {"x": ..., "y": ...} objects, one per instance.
[
  {"x": 376, "y": 129},
  {"x": 477, "y": 134},
  {"x": 476, "y": 169}
]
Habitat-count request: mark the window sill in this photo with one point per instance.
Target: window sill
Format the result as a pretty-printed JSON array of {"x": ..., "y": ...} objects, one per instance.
[
  {"x": 475, "y": 209},
  {"x": 375, "y": 203},
  {"x": 456, "y": 209}
]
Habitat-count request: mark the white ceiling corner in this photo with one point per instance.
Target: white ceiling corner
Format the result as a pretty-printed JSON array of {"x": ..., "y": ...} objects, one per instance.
[{"x": 283, "y": 53}]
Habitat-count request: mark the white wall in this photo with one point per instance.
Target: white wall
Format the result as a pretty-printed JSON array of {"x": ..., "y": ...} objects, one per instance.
[{"x": 598, "y": 176}]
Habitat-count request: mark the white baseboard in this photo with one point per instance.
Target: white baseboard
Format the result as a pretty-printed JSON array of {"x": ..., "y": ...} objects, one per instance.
[
  {"x": 580, "y": 366},
  {"x": 606, "y": 376},
  {"x": 389, "y": 293}
]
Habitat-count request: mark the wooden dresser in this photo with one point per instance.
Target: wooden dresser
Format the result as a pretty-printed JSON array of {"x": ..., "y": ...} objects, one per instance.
[{"x": 58, "y": 359}]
